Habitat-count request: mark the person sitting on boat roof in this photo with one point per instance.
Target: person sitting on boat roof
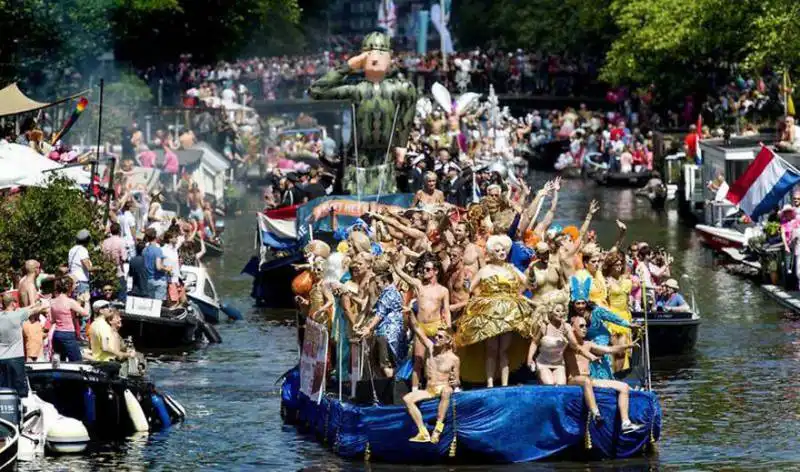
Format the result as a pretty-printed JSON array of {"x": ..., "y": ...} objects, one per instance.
[
  {"x": 12, "y": 351},
  {"x": 442, "y": 372},
  {"x": 674, "y": 301},
  {"x": 578, "y": 372},
  {"x": 391, "y": 346}
]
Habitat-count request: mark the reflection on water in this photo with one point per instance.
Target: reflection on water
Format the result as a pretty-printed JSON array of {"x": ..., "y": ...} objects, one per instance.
[{"x": 730, "y": 403}]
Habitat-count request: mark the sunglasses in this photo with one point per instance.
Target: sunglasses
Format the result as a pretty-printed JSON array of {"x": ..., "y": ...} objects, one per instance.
[
  {"x": 429, "y": 269},
  {"x": 108, "y": 290}
]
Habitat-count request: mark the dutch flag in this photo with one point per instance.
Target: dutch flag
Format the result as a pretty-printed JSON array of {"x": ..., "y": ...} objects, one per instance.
[{"x": 763, "y": 185}]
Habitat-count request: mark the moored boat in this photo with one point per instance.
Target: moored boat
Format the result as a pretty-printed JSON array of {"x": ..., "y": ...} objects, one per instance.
[
  {"x": 623, "y": 179},
  {"x": 155, "y": 327},
  {"x": 718, "y": 238},
  {"x": 670, "y": 332}
]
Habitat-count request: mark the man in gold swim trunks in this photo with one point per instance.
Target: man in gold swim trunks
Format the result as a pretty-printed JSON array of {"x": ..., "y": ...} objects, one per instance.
[{"x": 442, "y": 371}]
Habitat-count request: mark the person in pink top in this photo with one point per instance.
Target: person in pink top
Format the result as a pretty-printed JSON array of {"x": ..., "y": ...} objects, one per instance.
[
  {"x": 63, "y": 311},
  {"x": 114, "y": 247},
  {"x": 170, "y": 162},
  {"x": 147, "y": 158}
]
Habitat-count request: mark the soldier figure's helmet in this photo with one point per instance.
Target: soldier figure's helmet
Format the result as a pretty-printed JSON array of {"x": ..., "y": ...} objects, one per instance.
[{"x": 376, "y": 41}]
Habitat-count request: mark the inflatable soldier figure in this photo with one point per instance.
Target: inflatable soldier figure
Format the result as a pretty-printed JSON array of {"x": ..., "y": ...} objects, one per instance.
[{"x": 384, "y": 113}]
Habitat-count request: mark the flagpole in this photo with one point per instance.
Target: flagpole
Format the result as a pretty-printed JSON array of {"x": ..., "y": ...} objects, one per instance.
[{"x": 785, "y": 94}]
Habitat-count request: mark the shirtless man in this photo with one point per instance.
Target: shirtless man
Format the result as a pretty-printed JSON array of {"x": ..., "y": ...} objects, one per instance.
[
  {"x": 568, "y": 249},
  {"x": 428, "y": 195},
  {"x": 457, "y": 279},
  {"x": 28, "y": 294},
  {"x": 433, "y": 303},
  {"x": 578, "y": 374},
  {"x": 442, "y": 370},
  {"x": 473, "y": 255}
]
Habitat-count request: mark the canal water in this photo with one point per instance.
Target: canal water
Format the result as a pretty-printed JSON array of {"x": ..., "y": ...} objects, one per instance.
[{"x": 732, "y": 403}]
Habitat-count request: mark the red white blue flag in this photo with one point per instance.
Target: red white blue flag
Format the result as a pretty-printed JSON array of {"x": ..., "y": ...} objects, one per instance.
[{"x": 763, "y": 185}]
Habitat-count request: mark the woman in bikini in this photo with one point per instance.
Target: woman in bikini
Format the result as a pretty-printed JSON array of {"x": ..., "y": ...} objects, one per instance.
[{"x": 548, "y": 348}]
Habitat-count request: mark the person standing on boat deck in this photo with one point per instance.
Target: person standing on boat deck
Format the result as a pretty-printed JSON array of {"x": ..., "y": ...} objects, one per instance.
[
  {"x": 103, "y": 341},
  {"x": 596, "y": 319},
  {"x": 578, "y": 371},
  {"x": 429, "y": 195},
  {"x": 442, "y": 372},
  {"x": 433, "y": 303},
  {"x": 390, "y": 337},
  {"x": 62, "y": 315},
  {"x": 12, "y": 353},
  {"x": 155, "y": 269}
]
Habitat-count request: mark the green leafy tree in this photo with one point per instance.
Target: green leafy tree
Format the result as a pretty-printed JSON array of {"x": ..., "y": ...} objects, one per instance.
[{"x": 41, "y": 223}]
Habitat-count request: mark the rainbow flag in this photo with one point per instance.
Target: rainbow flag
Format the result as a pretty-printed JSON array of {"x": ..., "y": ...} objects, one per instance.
[{"x": 79, "y": 107}]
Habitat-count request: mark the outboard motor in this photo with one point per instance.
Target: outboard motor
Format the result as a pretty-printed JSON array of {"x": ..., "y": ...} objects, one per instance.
[{"x": 10, "y": 408}]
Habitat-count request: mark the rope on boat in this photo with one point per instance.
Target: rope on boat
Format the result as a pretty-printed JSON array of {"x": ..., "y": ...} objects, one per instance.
[
  {"x": 336, "y": 440},
  {"x": 454, "y": 442},
  {"x": 588, "y": 436},
  {"x": 367, "y": 453}
]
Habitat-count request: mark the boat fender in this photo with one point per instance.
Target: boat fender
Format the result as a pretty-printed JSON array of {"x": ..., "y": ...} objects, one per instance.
[
  {"x": 67, "y": 436},
  {"x": 136, "y": 413},
  {"x": 161, "y": 410},
  {"x": 89, "y": 406},
  {"x": 210, "y": 332},
  {"x": 175, "y": 406},
  {"x": 230, "y": 310}
]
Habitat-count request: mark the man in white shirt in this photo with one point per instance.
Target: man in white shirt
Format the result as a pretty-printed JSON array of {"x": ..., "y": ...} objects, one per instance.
[
  {"x": 80, "y": 265},
  {"x": 127, "y": 223}
]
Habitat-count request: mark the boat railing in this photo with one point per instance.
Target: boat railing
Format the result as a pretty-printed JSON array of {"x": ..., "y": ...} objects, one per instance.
[{"x": 720, "y": 214}]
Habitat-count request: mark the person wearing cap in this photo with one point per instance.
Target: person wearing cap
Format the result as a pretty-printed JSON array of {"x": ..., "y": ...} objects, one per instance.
[
  {"x": 384, "y": 111},
  {"x": 416, "y": 178},
  {"x": 103, "y": 338},
  {"x": 292, "y": 195},
  {"x": 80, "y": 265},
  {"x": 674, "y": 300},
  {"x": 12, "y": 351}
]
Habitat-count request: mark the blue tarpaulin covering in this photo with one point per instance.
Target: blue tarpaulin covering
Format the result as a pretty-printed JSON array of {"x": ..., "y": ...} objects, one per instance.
[{"x": 499, "y": 425}]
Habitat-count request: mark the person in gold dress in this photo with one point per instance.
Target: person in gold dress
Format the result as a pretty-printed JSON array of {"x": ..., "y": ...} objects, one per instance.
[
  {"x": 496, "y": 320},
  {"x": 619, "y": 286}
]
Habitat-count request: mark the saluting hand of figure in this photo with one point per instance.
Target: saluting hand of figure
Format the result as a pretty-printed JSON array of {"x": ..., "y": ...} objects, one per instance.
[{"x": 357, "y": 62}]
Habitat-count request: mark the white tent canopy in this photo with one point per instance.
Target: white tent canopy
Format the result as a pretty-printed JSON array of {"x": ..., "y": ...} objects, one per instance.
[{"x": 21, "y": 166}]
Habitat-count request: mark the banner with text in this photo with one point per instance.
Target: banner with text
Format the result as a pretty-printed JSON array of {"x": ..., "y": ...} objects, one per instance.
[{"x": 313, "y": 360}]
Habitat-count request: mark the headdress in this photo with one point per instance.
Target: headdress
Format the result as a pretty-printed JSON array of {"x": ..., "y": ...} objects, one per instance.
[
  {"x": 579, "y": 289},
  {"x": 376, "y": 41}
]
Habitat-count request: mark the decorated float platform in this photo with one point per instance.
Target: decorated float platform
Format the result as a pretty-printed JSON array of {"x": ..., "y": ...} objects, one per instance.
[{"x": 499, "y": 425}]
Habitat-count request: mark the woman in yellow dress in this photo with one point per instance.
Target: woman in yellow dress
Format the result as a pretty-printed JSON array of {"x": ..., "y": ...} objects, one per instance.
[
  {"x": 619, "y": 286},
  {"x": 598, "y": 292},
  {"x": 497, "y": 319}
]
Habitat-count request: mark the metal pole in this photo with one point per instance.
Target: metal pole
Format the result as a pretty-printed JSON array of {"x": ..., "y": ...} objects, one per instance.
[
  {"x": 648, "y": 383},
  {"x": 99, "y": 136},
  {"x": 441, "y": 38},
  {"x": 110, "y": 189}
]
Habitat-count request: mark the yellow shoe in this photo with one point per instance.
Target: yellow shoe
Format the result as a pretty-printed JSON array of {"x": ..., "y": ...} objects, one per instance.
[
  {"x": 421, "y": 437},
  {"x": 437, "y": 432}
]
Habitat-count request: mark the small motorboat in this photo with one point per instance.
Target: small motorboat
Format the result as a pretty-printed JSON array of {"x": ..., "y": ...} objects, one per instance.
[
  {"x": 201, "y": 292},
  {"x": 670, "y": 332},
  {"x": 718, "y": 238},
  {"x": 786, "y": 298},
  {"x": 10, "y": 418},
  {"x": 622, "y": 179},
  {"x": 110, "y": 404},
  {"x": 151, "y": 326}
]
